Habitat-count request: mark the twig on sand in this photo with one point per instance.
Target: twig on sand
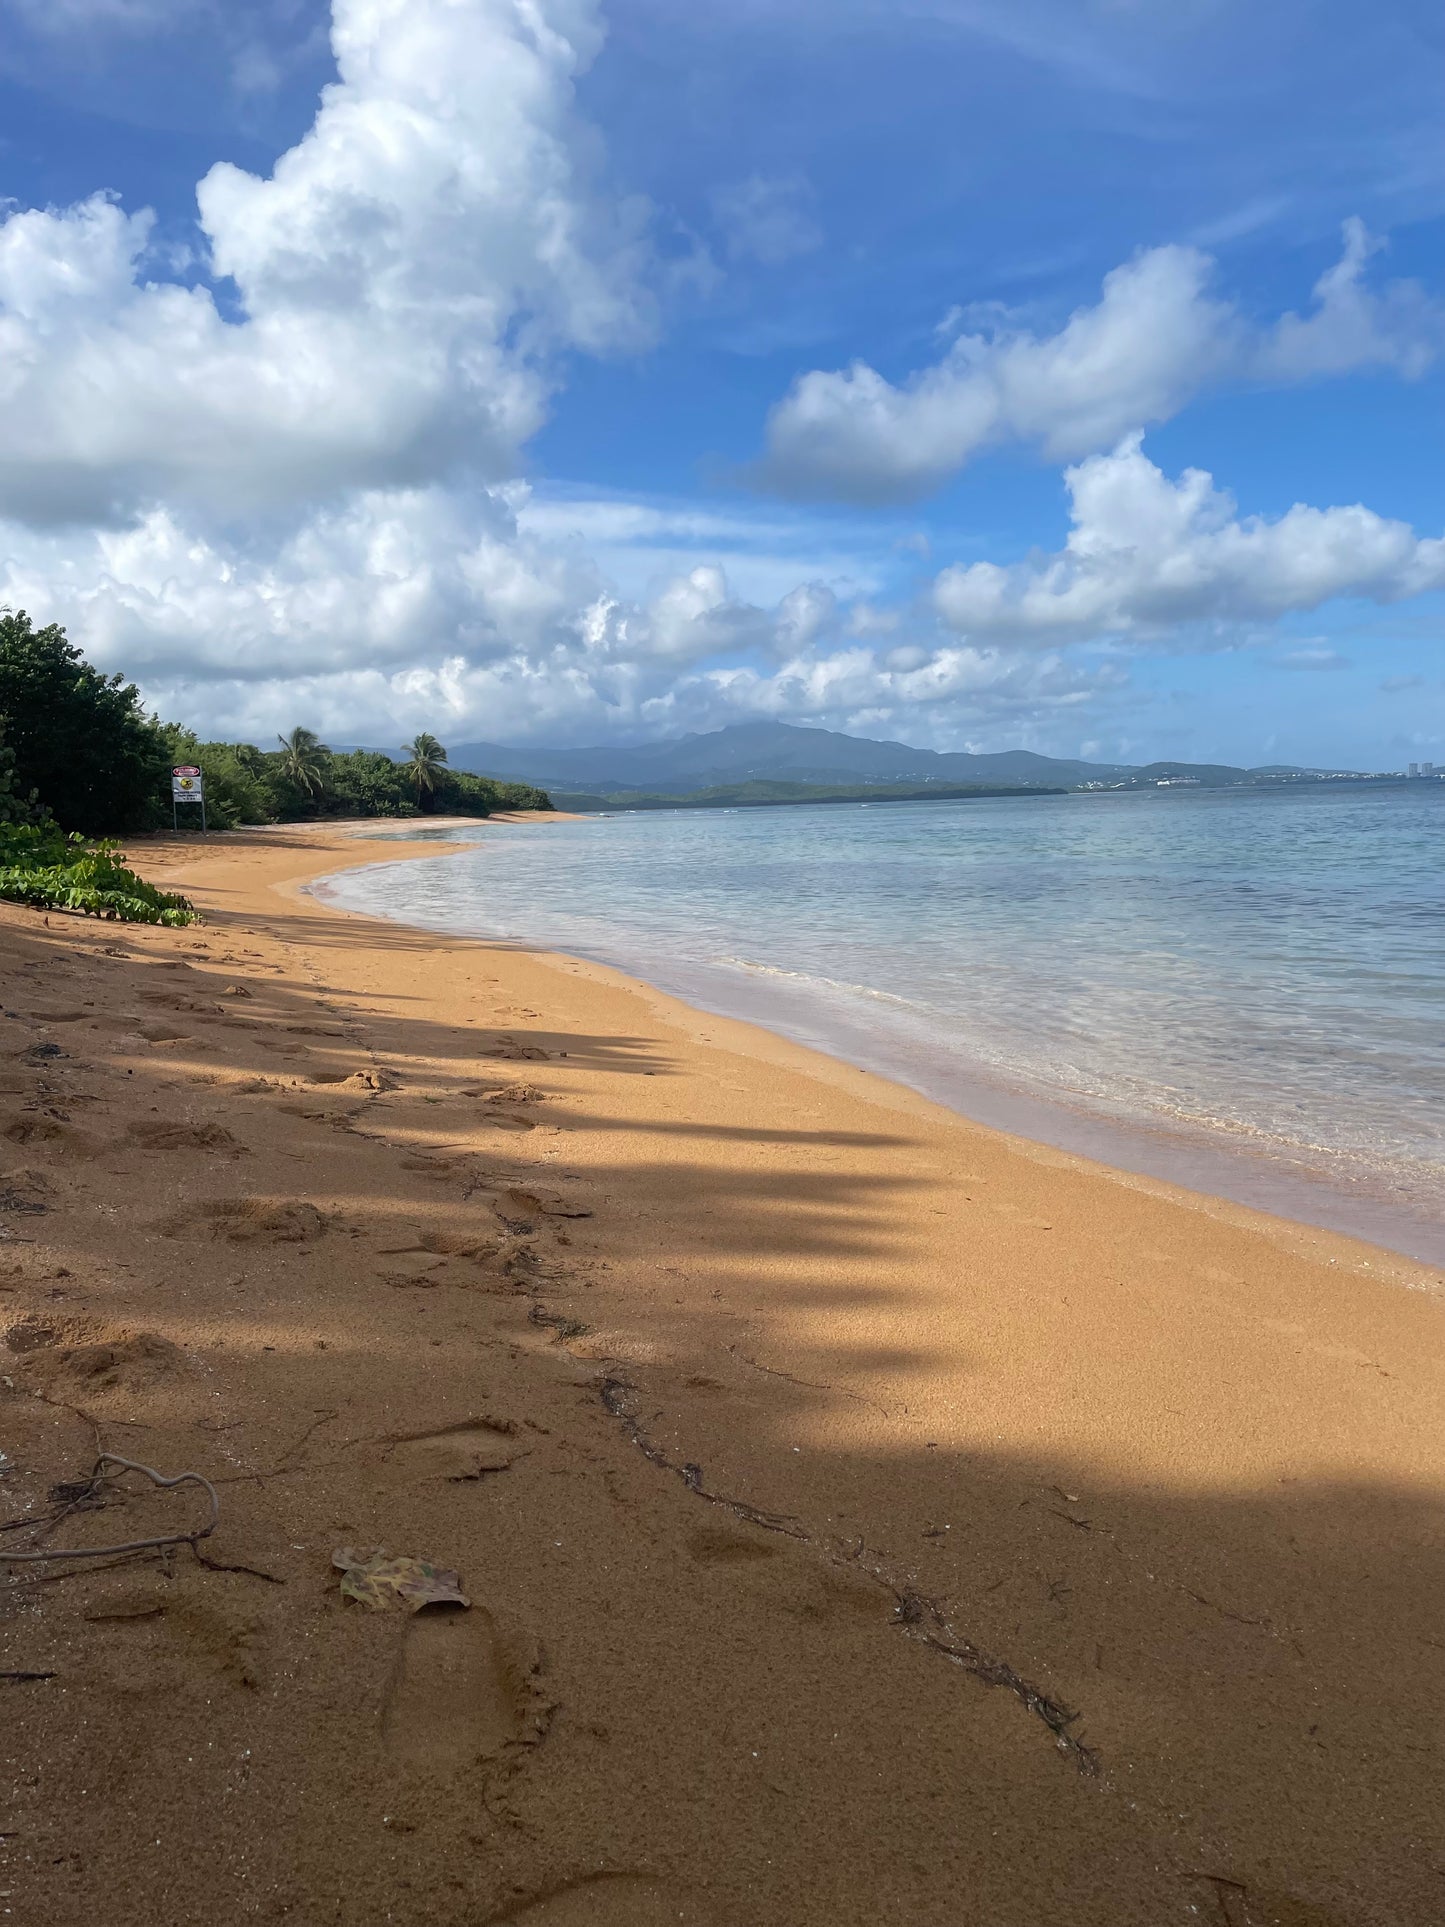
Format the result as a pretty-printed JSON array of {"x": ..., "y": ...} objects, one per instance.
[
  {"x": 97, "y": 1478},
  {"x": 921, "y": 1619},
  {"x": 223, "y": 1565}
]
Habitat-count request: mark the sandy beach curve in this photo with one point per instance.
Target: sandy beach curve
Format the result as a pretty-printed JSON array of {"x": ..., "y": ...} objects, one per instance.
[{"x": 867, "y": 1517}]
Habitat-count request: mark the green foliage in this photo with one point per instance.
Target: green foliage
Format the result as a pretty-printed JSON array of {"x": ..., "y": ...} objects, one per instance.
[
  {"x": 459, "y": 793},
  {"x": 304, "y": 760},
  {"x": 43, "y": 866},
  {"x": 427, "y": 760},
  {"x": 363, "y": 782},
  {"x": 366, "y": 783},
  {"x": 16, "y": 808},
  {"x": 81, "y": 740},
  {"x": 248, "y": 785},
  {"x": 235, "y": 778},
  {"x": 77, "y": 750}
]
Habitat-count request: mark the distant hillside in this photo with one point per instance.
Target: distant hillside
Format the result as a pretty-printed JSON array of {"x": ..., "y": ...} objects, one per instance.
[
  {"x": 751, "y": 753},
  {"x": 769, "y": 752},
  {"x": 1221, "y": 776},
  {"x": 743, "y": 796}
]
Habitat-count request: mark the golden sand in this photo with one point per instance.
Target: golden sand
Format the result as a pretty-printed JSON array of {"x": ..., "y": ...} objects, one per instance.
[{"x": 868, "y": 1518}]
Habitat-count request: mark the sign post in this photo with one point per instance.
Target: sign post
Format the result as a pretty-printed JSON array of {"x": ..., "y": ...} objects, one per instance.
[{"x": 187, "y": 786}]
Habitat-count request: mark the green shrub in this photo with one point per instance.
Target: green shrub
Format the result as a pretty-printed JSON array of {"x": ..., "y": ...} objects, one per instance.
[
  {"x": 459, "y": 793},
  {"x": 16, "y": 808},
  {"x": 79, "y": 746},
  {"x": 82, "y": 740},
  {"x": 49, "y": 870},
  {"x": 235, "y": 774}
]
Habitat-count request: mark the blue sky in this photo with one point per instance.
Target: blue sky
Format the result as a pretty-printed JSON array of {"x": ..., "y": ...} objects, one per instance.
[{"x": 984, "y": 373}]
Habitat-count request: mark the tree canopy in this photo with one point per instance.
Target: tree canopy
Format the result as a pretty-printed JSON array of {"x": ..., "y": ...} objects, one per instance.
[
  {"x": 78, "y": 750},
  {"x": 81, "y": 740},
  {"x": 303, "y": 760},
  {"x": 425, "y": 763}
]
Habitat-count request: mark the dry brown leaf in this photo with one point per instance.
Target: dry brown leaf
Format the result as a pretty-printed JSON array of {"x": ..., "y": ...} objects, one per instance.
[{"x": 377, "y": 1579}]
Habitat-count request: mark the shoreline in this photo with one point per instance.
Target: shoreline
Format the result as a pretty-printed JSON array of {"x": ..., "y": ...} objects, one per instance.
[
  {"x": 866, "y": 1516},
  {"x": 1199, "y": 1161}
]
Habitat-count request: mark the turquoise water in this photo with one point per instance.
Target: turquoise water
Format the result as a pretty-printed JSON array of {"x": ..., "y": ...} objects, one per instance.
[{"x": 1242, "y": 991}]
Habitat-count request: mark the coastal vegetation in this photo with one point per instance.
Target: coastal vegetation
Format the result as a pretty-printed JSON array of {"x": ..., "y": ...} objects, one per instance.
[
  {"x": 80, "y": 752},
  {"x": 87, "y": 756},
  {"x": 304, "y": 780},
  {"x": 426, "y": 763},
  {"x": 49, "y": 869},
  {"x": 81, "y": 761},
  {"x": 302, "y": 760}
]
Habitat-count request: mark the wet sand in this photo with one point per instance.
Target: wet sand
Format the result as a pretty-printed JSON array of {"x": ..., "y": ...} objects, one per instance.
[{"x": 867, "y": 1517}]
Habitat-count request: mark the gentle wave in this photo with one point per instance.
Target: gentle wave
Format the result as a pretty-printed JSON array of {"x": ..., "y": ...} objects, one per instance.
[
  {"x": 1253, "y": 975},
  {"x": 821, "y": 983}
]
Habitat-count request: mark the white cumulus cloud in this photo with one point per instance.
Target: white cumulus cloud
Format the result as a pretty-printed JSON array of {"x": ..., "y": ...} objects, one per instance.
[
  {"x": 434, "y": 608},
  {"x": 288, "y": 491},
  {"x": 1146, "y": 555},
  {"x": 399, "y": 284},
  {"x": 1155, "y": 338}
]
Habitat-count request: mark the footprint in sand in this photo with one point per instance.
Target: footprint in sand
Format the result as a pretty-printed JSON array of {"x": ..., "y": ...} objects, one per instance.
[
  {"x": 129, "y": 1026},
  {"x": 823, "y": 1595},
  {"x": 510, "y": 1050},
  {"x": 73, "y": 1358},
  {"x": 468, "y": 1450},
  {"x": 1236, "y": 1905},
  {"x": 721, "y": 1545},
  {"x": 462, "y": 1244},
  {"x": 458, "y": 1694},
  {"x": 610, "y": 1900},
  {"x": 275, "y": 1221},
  {"x": 506, "y": 1094},
  {"x": 39, "y": 1129},
  {"x": 25, "y": 1191},
  {"x": 169, "y": 1134},
  {"x": 441, "y": 1170},
  {"x": 359, "y": 1081},
  {"x": 548, "y": 1204}
]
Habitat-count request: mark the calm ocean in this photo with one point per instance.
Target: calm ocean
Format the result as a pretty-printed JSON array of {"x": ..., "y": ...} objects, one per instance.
[{"x": 1242, "y": 991}]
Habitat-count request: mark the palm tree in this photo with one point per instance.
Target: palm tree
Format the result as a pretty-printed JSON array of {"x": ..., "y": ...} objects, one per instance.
[
  {"x": 426, "y": 761},
  {"x": 303, "y": 759}
]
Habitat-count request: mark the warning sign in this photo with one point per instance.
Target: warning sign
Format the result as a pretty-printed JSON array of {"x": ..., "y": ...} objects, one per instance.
[{"x": 186, "y": 785}]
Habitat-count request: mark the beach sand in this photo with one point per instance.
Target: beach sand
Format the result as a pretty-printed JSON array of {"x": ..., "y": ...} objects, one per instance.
[{"x": 867, "y": 1518}]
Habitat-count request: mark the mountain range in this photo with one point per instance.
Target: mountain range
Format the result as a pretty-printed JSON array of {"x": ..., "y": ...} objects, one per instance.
[
  {"x": 749, "y": 752},
  {"x": 752, "y": 752}
]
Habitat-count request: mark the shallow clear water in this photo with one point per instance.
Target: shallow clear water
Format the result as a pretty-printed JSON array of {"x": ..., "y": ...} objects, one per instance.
[{"x": 1244, "y": 991}]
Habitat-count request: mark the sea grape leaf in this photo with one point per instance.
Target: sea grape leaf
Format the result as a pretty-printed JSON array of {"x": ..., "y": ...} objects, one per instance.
[{"x": 377, "y": 1579}]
